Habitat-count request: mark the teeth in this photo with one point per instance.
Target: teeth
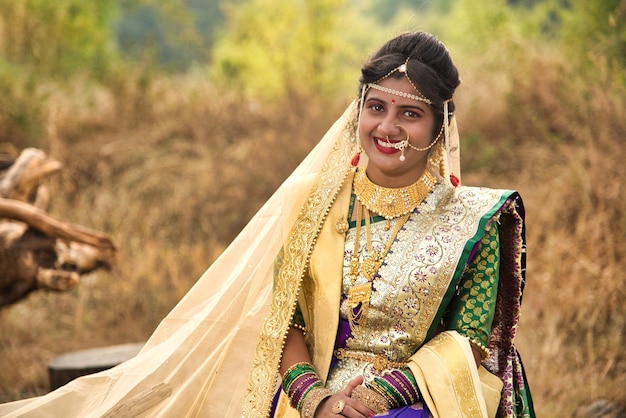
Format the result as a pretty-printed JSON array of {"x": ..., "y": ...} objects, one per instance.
[
  {"x": 385, "y": 144},
  {"x": 394, "y": 145}
]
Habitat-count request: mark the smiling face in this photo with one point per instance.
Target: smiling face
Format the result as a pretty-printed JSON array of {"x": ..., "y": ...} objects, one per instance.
[{"x": 378, "y": 131}]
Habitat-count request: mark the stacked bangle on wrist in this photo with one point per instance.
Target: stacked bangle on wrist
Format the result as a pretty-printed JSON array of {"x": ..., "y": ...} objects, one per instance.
[
  {"x": 304, "y": 388},
  {"x": 397, "y": 386}
]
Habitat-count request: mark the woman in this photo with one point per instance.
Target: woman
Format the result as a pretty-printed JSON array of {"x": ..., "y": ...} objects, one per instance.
[
  {"x": 398, "y": 308},
  {"x": 394, "y": 292}
]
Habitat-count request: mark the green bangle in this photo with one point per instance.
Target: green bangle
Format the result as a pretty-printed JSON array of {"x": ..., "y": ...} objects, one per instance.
[
  {"x": 387, "y": 390},
  {"x": 409, "y": 374},
  {"x": 295, "y": 371}
]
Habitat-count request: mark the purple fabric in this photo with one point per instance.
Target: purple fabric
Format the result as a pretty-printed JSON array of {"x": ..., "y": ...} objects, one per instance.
[
  {"x": 275, "y": 402},
  {"x": 411, "y": 411},
  {"x": 343, "y": 333}
]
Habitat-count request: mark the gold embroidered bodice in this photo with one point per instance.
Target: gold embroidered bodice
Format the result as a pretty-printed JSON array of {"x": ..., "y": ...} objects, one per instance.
[{"x": 409, "y": 286}]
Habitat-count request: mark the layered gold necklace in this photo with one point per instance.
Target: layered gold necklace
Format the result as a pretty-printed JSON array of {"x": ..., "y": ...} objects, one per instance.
[{"x": 389, "y": 203}]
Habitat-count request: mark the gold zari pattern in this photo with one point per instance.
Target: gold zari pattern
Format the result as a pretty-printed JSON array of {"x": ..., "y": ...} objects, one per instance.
[
  {"x": 373, "y": 400},
  {"x": 379, "y": 361}
]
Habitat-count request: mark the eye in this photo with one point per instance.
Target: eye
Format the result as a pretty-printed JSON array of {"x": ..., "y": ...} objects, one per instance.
[
  {"x": 412, "y": 114},
  {"x": 376, "y": 107}
]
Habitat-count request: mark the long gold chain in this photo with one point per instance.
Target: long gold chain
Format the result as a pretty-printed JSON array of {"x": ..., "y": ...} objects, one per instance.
[
  {"x": 374, "y": 259},
  {"x": 388, "y": 202},
  {"x": 359, "y": 296}
]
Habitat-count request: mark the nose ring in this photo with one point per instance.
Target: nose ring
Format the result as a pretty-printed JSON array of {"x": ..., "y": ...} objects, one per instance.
[{"x": 403, "y": 144}]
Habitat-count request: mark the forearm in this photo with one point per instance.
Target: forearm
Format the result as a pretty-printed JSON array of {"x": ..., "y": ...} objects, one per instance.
[
  {"x": 300, "y": 380},
  {"x": 295, "y": 350}
]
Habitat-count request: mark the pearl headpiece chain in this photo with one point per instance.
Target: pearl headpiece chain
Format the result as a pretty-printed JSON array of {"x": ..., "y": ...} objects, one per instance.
[{"x": 403, "y": 69}]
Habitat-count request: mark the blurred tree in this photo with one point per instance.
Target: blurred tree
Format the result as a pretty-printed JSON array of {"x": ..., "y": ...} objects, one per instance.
[
  {"x": 496, "y": 30},
  {"x": 173, "y": 35},
  {"x": 42, "y": 41},
  {"x": 597, "y": 30},
  {"x": 207, "y": 16},
  {"x": 56, "y": 38},
  {"x": 273, "y": 48},
  {"x": 386, "y": 10}
]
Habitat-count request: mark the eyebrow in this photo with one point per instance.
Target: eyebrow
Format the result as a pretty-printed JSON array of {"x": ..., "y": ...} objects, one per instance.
[{"x": 417, "y": 105}]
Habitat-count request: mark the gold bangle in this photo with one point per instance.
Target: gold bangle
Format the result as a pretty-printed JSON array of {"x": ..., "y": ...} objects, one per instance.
[
  {"x": 313, "y": 400},
  {"x": 370, "y": 398}
]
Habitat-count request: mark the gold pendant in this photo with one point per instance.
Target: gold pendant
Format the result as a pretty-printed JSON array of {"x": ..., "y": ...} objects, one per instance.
[
  {"x": 358, "y": 305},
  {"x": 354, "y": 268},
  {"x": 371, "y": 264},
  {"x": 342, "y": 225}
]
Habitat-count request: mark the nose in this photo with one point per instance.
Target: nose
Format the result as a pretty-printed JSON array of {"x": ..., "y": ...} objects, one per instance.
[{"x": 388, "y": 126}]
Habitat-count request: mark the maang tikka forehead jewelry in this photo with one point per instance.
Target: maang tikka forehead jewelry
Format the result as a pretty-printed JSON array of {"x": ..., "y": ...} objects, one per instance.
[{"x": 404, "y": 69}]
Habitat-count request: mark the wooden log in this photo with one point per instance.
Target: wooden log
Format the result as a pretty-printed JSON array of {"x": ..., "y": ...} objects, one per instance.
[
  {"x": 22, "y": 178},
  {"x": 56, "y": 279},
  {"x": 41, "y": 221},
  {"x": 69, "y": 366},
  {"x": 38, "y": 251}
]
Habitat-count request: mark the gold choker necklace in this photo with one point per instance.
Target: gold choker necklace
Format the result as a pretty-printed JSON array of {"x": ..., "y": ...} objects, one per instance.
[{"x": 388, "y": 202}]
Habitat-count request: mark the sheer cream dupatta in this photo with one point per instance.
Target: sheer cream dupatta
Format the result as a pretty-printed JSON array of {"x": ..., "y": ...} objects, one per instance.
[{"x": 200, "y": 359}]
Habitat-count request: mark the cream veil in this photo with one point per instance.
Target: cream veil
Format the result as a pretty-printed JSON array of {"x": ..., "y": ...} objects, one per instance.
[{"x": 199, "y": 359}]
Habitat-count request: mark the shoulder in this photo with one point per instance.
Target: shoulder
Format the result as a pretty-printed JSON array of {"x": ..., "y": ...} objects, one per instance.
[
  {"x": 483, "y": 192},
  {"x": 467, "y": 202},
  {"x": 501, "y": 198}
]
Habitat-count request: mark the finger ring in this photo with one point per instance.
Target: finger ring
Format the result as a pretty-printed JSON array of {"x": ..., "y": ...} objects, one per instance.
[{"x": 338, "y": 407}]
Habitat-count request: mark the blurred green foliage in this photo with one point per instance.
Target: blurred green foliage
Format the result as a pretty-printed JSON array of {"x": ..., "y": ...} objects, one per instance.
[
  {"x": 596, "y": 30},
  {"x": 273, "y": 48},
  {"x": 171, "y": 35},
  {"x": 57, "y": 38}
]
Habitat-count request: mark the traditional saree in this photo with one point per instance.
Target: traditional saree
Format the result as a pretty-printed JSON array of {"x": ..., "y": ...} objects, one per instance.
[{"x": 420, "y": 278}]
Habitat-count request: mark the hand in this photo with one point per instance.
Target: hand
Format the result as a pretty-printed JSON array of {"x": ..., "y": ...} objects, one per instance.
[{"x": 351, "y": 407}]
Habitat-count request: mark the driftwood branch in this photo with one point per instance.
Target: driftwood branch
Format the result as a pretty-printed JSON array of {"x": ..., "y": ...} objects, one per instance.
[
  {"x": 39, "y": 251},
  {"x": 41, "y": 221},
  {"x": 22, "y": 179}
]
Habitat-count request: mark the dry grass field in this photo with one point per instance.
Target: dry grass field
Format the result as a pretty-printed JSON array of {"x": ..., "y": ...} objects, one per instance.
[{"x": 175, "y": 171}]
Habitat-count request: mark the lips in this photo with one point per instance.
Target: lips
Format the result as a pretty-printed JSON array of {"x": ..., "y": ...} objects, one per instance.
[{"x": 384, "y": 146}]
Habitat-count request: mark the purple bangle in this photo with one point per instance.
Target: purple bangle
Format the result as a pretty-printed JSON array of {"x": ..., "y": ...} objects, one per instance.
[
  {"x": 406, "y": 387},
  {"x": 300, "y": 380},
  {"x": 296, "y": 396},
  {"x": 388, "y": 377},
  {"x": 307, "y": 391}
]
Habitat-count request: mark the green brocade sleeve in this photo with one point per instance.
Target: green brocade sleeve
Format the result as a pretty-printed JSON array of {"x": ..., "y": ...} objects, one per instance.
[{"x": 471, "y": 311}]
